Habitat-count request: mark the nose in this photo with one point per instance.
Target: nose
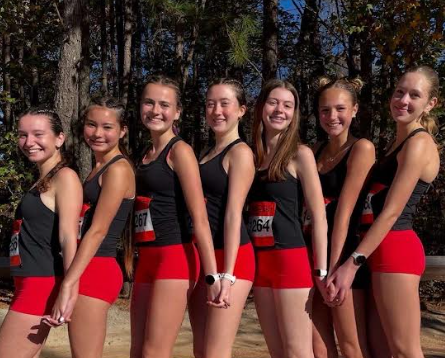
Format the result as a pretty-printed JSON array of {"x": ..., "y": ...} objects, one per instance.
[
  {"x": 217, "y": 109},
  {"x": 29, "y": 141},
  {"x": 332, "y": 114},
  {"x": 405, "y": 98},
  {"x": 156, "y": 108},
  {"x": 279, "y": 107}
]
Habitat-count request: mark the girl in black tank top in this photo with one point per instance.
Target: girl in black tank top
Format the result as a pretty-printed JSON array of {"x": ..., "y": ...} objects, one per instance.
[
  {"x": 43, "y": 241},
  {"x": 108, "y": 197},
  {"x": 394, "y": 252},
  {"x": 343, "y": 164},
  {"x": 227, "y": 172},
  {"x": 286, "y": 173},
  {"x": 168, "y": 184}
]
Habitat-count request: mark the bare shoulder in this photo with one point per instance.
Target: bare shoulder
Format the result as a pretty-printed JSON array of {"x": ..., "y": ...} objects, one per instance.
[
  {"x": 121, "y": 168},
  {"x": 240, "y": 152},
  {"x": 181, "y": 150},
  {"x": 420, "y": 144},
  {"x": 304, "y": 154},
  {"x": 363, "y": 147},
  {"x": 66, "y": 177}
]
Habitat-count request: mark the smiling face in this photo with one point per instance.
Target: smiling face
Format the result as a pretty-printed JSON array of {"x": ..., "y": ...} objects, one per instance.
[
  {"x": 102, "y": 129},
  {"x": 37, "y": 140},
  {"x": 223, "y": 110},
  {"x": 336, "y": 111},
  {"x": 411, "y": 98},
  {"x": 159, "y": 108},
  {"x": 278, "y": 110}
]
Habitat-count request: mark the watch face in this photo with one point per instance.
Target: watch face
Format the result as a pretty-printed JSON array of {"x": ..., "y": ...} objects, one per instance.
[
  {"x": 210, "y": 280},
  {"x": 360, "y": 260}
]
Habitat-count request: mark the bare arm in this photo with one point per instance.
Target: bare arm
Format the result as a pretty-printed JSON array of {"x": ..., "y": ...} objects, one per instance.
[
  {"x": 313, "y": 195},
  {"x": 359, "y": 164},
  {"x": 241, "y": 171}
]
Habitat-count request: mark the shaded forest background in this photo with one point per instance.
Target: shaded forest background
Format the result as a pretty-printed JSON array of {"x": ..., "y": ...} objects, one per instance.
[{"x": 61, "y": 53}]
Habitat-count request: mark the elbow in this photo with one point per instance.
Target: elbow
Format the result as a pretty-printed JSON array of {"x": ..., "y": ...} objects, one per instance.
[{"x": 95, "y": 234}]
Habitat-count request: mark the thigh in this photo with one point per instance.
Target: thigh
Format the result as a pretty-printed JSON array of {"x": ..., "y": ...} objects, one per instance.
[
  {"x": 167, "y": 302},
  {"x": 397, "y": 300},
  {"x": 222, "y": 324},
  {"x": 138, "y": 317},
  {"x": 265, "y": 307},
  {"x": 323, "y": 338},
  {"x": 350, "y": 324},
  {"x": 197, "y": 309},
  {"x": 22, "y": 335},
  {"x": 87, "y": 328},
  {"x": 294, "y": 308}
]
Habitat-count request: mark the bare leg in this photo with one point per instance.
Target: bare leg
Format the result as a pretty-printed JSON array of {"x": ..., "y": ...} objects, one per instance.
[
  {"x": 167, "y": 302},
  {"x": 22, "y": 335},
  {"x": 88, "y": 327},
  {"x": 323, "y": 329},
  {"x": 294, "y": 307},
  {"x": 350, "y": 325},
  {"x": 266, "y": 310},
  {"x": 378, "y": 344},
  {"x": 198, "y": 311},
  {"x": 138, "y": 316},
  {"x": 397, "y": 299},
  {"x": 222, "y": 324}
]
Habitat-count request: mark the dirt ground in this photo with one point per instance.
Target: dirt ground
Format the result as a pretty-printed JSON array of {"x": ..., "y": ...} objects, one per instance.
[{"x": 249, "y": 343}]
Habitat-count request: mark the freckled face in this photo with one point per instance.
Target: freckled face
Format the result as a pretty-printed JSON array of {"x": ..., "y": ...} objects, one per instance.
[
  {"x": 37, "y": 140},
  {"x": 336, "y": 111}
]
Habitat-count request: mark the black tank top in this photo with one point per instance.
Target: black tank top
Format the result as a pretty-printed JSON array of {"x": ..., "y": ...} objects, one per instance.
[
  {"x": 91, "y": 194},
  {"x": 382, "y": 176},
  {"x": 274, "y": 213},
  {"x": 215, "y": 184},
  {"x": 160, "y": 211},
  {"x": 332, "y": 185},
  {"x": 35, "y": 248}
]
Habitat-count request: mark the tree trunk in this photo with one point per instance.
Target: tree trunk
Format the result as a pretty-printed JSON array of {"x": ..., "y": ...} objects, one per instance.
[
  {"x": 83, "y": 152},
  {"x": 366, "y": 112},
  {"x": 113, "y": 76},
  {"x": 104, "y": 47},
  {"x": 7, "y": 111},
  {"x": 126, "y": 65},
  {"x": 120, "y": 44},
  {"x": 270, "y": 39},
  {"x": 67, "y": 87}
]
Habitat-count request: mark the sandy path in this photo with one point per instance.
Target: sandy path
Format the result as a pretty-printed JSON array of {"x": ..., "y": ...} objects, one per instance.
[{"x": 249, "y": 344}]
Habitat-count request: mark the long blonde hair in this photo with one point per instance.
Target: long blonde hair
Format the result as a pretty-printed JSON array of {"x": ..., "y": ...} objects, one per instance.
[{"x": 289, "y": 140}]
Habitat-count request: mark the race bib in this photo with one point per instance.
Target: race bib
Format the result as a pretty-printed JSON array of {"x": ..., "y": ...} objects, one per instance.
[
  {"x": 143, "y": 226},
  {"x": 14, "y": 254},
  {"x": 307, "y": 221},
  {"x": 85, "y": 208},
  {"x": 261, "y": 214},
  {"x": 367, "y": 217}
]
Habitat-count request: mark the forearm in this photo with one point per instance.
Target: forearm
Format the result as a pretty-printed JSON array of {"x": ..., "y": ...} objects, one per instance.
[
  {"x": 338, "y": 239},
  {"x": 232, "y": 234},
  {"x": 205, "y": 246},
  {"x": 69, "y": 247},
  {"x": 319, "y": 242}
]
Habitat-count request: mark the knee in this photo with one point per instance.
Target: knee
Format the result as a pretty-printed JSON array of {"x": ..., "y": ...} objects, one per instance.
[
  {"x": 153, "y": 352},
  {"x": 351, "y": 350},
  {"x": 320, "y": 351},
  {"x": 407, "y": 352}
]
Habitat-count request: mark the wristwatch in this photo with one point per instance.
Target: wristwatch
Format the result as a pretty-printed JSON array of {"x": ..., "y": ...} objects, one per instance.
[
  {"x": 212, "y": 278},
  {"x": 320, "y": 273},
  {"x": 358, "y": 259},
  {"x": 229, "y": 277}
]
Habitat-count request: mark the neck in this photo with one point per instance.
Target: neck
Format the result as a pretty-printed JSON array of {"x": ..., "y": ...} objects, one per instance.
[
  {"x": 403, "y": 130},
  {"x": 160, "y": 140},
  {"x": 102, "y": 158},
  {"x": 50, "y": 163},
  {"x": 271, "y": 139},
  {"x": 224, "y": 139},
  {"x": 337, "y": 143}
]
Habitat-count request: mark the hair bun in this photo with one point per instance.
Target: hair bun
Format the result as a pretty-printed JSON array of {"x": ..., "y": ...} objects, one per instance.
[
  {"x": 323, "y": 81},
  {"x": 357, "y": 83}
]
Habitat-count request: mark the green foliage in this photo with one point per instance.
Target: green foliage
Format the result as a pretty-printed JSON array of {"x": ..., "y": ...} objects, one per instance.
[{"x": 239, "y": 35}]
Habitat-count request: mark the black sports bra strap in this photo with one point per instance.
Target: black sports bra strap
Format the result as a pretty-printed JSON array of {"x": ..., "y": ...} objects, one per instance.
[
  {"x": 206, "y": 153},
  {"x": 226, "y": 149}
]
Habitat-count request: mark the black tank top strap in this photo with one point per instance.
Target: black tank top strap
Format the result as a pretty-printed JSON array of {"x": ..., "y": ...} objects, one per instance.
[
  {"x": 105, "y": 167},
  {"x": 226, "y": 149},
  {"x": 320, "y": 148},
  {"x": 206, "y": 153},
  {"x": 412, "y": 134},
  {"x": 164, "y": 154}
]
